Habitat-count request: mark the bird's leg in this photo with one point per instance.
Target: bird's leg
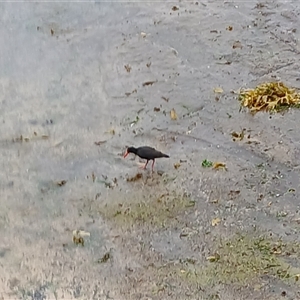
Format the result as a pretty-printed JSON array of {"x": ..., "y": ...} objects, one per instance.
[
  {"x": 144, "y": 167},
  {"x": 153, "y": 164}
]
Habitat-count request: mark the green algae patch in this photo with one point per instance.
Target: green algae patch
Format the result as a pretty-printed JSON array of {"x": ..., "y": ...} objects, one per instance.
[
  {"x": 156, "y": 210},
  {"x": 245, "y": 259}
]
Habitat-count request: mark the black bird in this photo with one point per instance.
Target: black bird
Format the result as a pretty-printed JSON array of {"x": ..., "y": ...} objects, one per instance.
[{"x": 147, "y": 153}]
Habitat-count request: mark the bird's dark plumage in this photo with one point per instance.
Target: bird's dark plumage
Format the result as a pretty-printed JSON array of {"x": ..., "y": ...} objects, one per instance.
[{"x": 147, "y": 153}]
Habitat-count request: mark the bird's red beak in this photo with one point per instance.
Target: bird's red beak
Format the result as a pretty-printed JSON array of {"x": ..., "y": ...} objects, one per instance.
[{"x": 126, "y": 153}]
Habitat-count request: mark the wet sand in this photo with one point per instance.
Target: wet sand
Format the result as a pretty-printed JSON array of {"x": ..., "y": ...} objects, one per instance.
[{"x": 73, "y": 74}]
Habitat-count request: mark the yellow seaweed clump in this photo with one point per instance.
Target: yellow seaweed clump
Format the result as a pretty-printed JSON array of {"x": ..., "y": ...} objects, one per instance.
[{"x": 271, "y": 96}]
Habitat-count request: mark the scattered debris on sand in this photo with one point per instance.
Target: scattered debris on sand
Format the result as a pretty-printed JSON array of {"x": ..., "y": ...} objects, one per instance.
[
  {"x": 78, "y": 236},
  {"x": 61, "y": 182},
  {"x": 173, "y": 114},
  {"x": 215, "y": 165},
  {"x": 100, "y": 143},
  {"x": 219, "y": 165},
  {"x": 238, "y": 136},
  {"x": 104, "y": 258},
  {"x": 135, "y": 178}
]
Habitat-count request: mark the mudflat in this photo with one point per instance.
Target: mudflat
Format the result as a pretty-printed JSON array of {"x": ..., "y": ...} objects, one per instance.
[{"x": 82, "y": 81}]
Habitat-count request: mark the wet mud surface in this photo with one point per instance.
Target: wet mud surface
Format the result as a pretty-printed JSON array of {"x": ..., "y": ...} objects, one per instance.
[{"x": 80, "y": 82}]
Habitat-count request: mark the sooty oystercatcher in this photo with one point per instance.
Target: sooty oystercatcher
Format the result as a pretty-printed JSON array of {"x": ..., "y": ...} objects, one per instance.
[{"x": 147, "y": 153}]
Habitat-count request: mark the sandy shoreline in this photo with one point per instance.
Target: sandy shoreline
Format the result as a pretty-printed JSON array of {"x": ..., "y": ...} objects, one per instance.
[{"x": 73, "y": 74}]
